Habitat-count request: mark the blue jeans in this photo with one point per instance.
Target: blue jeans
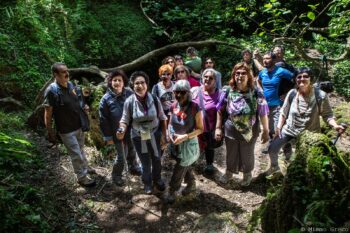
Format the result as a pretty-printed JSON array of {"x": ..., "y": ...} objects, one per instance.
[
  {"x": 151, "y": 164},
  {"x": 275, "y": 147},
  {"x": 74, "y": 142}
]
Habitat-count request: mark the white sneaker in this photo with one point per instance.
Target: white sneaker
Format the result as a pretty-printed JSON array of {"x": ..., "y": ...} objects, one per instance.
[
  {"x": 247, "y": 179},
  {"x": 226, "y": 177}
]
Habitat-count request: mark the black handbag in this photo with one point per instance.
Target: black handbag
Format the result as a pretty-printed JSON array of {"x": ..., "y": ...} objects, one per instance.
[{"x": 84, "y": 118}]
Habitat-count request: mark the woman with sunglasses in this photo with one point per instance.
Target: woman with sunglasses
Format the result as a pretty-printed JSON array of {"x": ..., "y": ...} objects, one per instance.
[
  {"x": 143, "y": 113},
  {"x": 300, "y": 111},
  {"x": 207, "y": 97},
  {"x": 185, "y": 125},
  {"x": 169, "y": 60},
  {"x": 181, "y": 72},
  {"x": 245, "y": 104},
  {"x": 210, "y": 63}
]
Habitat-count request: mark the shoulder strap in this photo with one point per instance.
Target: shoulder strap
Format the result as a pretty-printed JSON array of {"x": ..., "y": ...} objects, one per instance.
[
  {"x": 318, "y": 99},
  {"x": 155, "y": 101},
  {"x": 291, "y": 96}
]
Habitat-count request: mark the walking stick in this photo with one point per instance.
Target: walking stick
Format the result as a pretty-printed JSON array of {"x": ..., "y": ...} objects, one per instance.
[
  {"x": 121, "y": 130},
  {"x": 338, "y": 134}
]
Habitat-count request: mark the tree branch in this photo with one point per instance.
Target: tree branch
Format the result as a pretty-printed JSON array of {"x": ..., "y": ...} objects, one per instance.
[
  {"x": 151, "y": 20},
  {"x": 166, "y": 50}
]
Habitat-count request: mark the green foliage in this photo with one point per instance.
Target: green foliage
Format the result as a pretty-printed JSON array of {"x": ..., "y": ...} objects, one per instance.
[
  {"x": 316, "y": 181},
  {"x": 342, "y": 78}
]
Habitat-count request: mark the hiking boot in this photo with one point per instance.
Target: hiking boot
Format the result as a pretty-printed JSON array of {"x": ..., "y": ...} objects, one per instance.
[
  {"x": 189, "y": 189},
  {"x": 91, "y": 170},
  {"x": 171, "y": 198},
  {"x": 86, "y": 181},
  {"x": 209, "y": 169},
  {"x": 272, "y": 170},
  {"x": 135, "y": 170},
  {"x": 247, "y": 179},
  {"x": 118, "y": 180},
  {"x": 148, "y": 189},
  {"x": 226, "y": 177},
  {"x": 160, "y": 185}
]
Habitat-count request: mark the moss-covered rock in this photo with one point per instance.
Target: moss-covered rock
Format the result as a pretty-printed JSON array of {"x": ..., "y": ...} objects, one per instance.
[{"x": 315, "y": 191}]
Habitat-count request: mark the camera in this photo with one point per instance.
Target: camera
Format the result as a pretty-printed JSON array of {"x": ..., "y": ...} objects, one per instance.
[{"x": 120, "y": 130}]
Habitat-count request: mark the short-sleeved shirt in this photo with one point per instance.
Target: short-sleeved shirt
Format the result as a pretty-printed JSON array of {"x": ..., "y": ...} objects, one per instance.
[
  {"x": 271, "y": 83},
  {"x": 165, "y": 95},
  {"x": 209, "y": 102},
  {"x": 141, "y": 118},
  {"x": 302, "y": 113},
  {"x": 183, "y": 122},
  {"x": 195, "y": 64},
  {"x": 66, "y": 108}
]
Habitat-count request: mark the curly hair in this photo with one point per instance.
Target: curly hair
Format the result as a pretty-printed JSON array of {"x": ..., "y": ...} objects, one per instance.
[
  {"x": 241, "y": 65},
  {"x": 115, "y": 73}
]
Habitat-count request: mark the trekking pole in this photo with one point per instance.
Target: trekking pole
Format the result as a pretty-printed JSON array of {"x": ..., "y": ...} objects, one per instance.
[
  {"x": 121, "y": 130},
  {"x": 338, "y": 134}
]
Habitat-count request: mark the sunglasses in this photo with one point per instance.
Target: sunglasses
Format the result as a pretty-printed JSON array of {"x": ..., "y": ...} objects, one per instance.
[
  {"x": 180, "y": 92},
  {"x": 303, "y": 76},
  {"x": 181, "y": 71},
  {"x": 240, "y": 74},
  {"x": 208, "y": 77}
]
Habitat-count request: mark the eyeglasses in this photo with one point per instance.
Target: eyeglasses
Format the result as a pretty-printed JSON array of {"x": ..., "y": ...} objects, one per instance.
[
  {"x": 140, "y": 83},
  {"x": 303, "y": 76},
  {"x": 208, "y": 77},
  {"x": 180, "y": 92},
  {"x": 240, "y": 74},
  {"x": 181, "y": 71},
  {"x": 170, "y": 61}
]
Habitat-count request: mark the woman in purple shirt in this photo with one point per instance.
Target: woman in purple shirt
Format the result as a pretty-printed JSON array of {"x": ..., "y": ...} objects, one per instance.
[
  {"x": 243, "y": 104},
  {"x": 207, "y": 97}
]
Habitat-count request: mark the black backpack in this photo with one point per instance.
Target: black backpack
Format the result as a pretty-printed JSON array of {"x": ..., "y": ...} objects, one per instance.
[{"x": 286, "y": 85}]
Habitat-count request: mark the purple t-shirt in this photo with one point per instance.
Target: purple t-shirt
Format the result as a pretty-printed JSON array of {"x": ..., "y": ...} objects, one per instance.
[{"x": 209, "y": 102}]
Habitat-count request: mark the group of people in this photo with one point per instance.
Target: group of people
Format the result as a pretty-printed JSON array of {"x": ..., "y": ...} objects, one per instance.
[{"x": 188, "y": 112}]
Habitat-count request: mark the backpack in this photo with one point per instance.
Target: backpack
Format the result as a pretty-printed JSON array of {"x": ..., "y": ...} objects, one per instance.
[
  {"x": 84, "y": 118},
  {"x": 317, "y": 97}
]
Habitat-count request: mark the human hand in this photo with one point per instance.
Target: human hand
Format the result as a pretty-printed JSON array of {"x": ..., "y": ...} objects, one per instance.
[
  {"x": 120, "y": 133},
  {"x": 340, "y": 128},
  {"x": 180, "y": 138},
  {"x": 218, "y": 134},
  {"x": 265, "y": 136}
]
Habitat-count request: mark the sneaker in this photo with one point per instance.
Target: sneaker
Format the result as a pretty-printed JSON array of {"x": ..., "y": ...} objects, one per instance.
[
  {"x": 265, "y": 150},
  {"x": 189, "y": 189},
  {"x": 171, "y": 198},
  {"x": 148, "y": 189},
  {"x": 135, "y": 170},
  {"x": 247, "y": 179},
  {"x": 86, "y": 181},
  {"x": 209, "y": 169},
  {"x": 272, "y": 170},
  {"x": 91, "y": 170},
  {"x": 160, "y": 185},
  {"x": 226, "y": 177},
  {"x": 118, "y": 180}
]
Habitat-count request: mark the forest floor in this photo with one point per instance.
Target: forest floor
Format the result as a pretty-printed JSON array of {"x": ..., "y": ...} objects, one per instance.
[{"x": 214, "y": 207}]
